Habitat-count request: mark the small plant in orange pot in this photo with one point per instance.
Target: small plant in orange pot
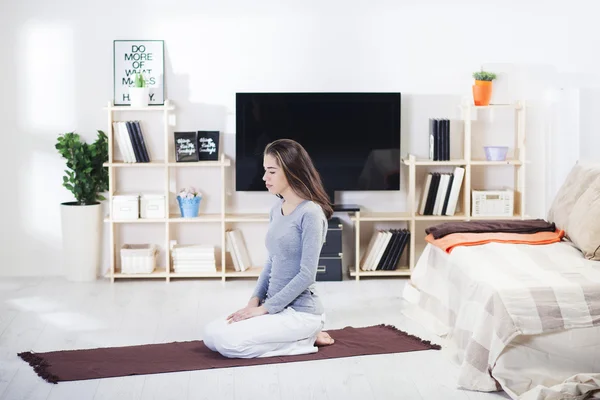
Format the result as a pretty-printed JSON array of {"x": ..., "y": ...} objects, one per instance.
[{"x": 482, "y": 89}]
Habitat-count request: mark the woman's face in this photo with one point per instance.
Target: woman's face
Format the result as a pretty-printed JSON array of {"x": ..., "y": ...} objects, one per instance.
[{"x": 274, "y": 177}]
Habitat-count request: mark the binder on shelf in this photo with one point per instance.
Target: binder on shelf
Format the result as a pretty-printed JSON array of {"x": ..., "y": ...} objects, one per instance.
[
  {"x": 130, "y": 140},
  {"x": 439, "y": 139},
  {"x": 239, "y": 252},
  {"x": 441, "y": 192},
  {"x": 385, "y": 250},
  {"x": 137, "y": 128}
]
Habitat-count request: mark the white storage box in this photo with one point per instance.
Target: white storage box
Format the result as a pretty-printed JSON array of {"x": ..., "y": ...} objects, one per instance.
[
  {"x": 138, "y": 258},
  {"x": 125, "y": 206},
  {"x": 493, "y": 203},
  {"x": 152, "y": 205}
]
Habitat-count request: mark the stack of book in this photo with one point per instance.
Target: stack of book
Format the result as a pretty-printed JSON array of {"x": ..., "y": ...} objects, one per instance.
[
  {"x": 439, "y": 139},
  {"x": 193, "y": 258},
  {"x": 238, "y": 250},
  {"x": 385, "y": 249},
  {"x": 440, "y": 192},
  {"x": 130, "y": 139}
]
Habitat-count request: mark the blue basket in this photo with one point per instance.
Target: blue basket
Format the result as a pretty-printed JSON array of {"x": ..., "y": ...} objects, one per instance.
[{"x": 189, "y": 207}]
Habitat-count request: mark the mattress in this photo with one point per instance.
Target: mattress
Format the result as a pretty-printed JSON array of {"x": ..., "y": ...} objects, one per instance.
[{"x": 454, "y": 296}]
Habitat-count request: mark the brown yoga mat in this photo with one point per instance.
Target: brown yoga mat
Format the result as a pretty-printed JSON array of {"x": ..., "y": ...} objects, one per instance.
[{"x": 74, "y": 365}]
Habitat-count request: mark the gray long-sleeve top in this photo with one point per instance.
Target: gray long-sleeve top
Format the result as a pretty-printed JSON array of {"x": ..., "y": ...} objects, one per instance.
[{"x": 294, "y": 243}]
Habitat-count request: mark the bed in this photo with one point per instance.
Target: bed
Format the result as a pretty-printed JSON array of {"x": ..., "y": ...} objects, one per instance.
[{"x": 517, "y": 317}]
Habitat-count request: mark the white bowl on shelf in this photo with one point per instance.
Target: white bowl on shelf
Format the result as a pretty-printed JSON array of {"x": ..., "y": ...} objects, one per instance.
[{"x": 495, "y": 153}]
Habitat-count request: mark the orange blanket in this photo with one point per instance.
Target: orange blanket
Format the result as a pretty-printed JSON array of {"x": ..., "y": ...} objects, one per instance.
[{"x": 449, "y": 242}]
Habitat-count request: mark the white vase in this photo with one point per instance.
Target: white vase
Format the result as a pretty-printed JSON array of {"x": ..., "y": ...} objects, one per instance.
[
  {"x": 81, "y": 235},
  {"x": 139, "y": 96}
]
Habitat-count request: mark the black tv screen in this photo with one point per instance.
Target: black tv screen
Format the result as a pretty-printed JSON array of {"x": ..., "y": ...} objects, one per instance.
[{"x": 352, "y": 138}]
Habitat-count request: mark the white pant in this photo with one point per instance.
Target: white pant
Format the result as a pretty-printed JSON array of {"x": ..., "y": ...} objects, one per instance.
[{"x": 286, "y": 333}]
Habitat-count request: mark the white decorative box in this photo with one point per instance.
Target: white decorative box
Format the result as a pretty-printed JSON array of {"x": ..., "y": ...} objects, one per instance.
[
  {"x": 125, "y": 206},
  {"x": 138, "y": 258},
  {"x": 152, "y": 205},
  {"x": 493, "y": 203}
]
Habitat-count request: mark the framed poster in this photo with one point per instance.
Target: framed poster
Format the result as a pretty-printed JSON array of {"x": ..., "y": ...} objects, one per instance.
[
  {"x": 144, "y": 57},
  {"x": 186, "y": 149},
  {"x": 208, "y": 145}
]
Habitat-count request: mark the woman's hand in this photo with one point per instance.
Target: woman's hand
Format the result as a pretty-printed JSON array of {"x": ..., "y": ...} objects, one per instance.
[{"x": 246, "y": 313}]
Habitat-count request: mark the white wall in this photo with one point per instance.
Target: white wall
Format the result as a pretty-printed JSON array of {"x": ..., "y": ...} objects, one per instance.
[
  {"x": 57, "y": 64},
  {"x": 590, "y": 124}
]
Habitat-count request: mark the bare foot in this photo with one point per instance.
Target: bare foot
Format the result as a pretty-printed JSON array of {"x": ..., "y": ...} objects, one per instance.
[{"x": 323, "y": 339}]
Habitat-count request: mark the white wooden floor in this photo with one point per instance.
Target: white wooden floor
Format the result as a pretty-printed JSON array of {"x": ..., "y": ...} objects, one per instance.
[{"x": 52, "y": 314}]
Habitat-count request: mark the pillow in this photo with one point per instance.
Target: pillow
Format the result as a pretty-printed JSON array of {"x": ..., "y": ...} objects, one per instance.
[
  {"x": 576, "y": 183},
  {"x": 584, "y": 222}
]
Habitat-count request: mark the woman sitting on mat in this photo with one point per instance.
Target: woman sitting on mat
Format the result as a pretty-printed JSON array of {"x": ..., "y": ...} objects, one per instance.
[{"x": 284, "y": 315}]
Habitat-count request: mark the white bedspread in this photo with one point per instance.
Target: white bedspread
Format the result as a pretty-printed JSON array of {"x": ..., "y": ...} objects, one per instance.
[{"x": 485, "y": 296}]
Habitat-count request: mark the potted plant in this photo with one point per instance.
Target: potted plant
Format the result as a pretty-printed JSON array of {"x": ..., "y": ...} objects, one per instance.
[
  {"x": 138, "y": 93},
  {"x": 81, "y": 220},
  {"x": 482, "y": 89},
  {"x": 189, "y": 202}
]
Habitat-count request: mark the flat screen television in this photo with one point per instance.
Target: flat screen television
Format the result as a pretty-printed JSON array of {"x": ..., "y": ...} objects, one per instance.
[{"x": 352, "y": 138}]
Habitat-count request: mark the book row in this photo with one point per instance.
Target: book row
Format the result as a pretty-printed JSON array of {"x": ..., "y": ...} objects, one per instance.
[
  {"x": 440, "y": 192},
  {"x": 439, "y": 139},
  {"x": 385, "y": 249},
  {"x": 130, "y": 139}
]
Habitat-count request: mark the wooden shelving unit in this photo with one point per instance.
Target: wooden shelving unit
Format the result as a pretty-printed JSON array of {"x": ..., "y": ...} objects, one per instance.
[
  {"x": 411, "y": 216},
  {"x": 467, "y": 162},
  {"x": 166, "y": 165}
]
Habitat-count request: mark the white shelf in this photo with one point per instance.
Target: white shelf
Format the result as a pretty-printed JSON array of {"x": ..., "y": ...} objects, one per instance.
[
  {"x": 492, "y": 106},
  {"x": 224, "y": 162},
  {"x": 491, "y": 218},
  {"x": 498, "y": 163},
  {"x": 136, "y": 221},
  {"x": 457, "y": 217},
  {"x": 161, "y": 164},
  {"x": 159, "y": 273},
  {"x": 403, "y": 271},
  {"x": 459, "y": 163},
  {"x": 166, "y": 107},
  {"x": 123, "y": 164},
  {"x": 383, "y": 216},
  {"x": 178, "y": 219},
  {"x": 426, "y": 162},
  {"x": 207, "y": 274}
]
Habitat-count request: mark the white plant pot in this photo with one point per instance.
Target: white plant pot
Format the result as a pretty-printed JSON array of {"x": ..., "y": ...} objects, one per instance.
[
  {"x": 81, "y": 235},
  {"x": 139, "y": 96}
]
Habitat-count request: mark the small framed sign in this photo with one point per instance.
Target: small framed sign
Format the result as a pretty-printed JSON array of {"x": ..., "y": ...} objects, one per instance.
[
  {"x": 186, "y": 146},
  {"x": 144, "y": 57},
  {"x": 208, "y": 145}
]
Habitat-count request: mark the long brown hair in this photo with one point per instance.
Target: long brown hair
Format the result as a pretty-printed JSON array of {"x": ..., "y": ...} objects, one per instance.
[{"x": 300, "y": 172}]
